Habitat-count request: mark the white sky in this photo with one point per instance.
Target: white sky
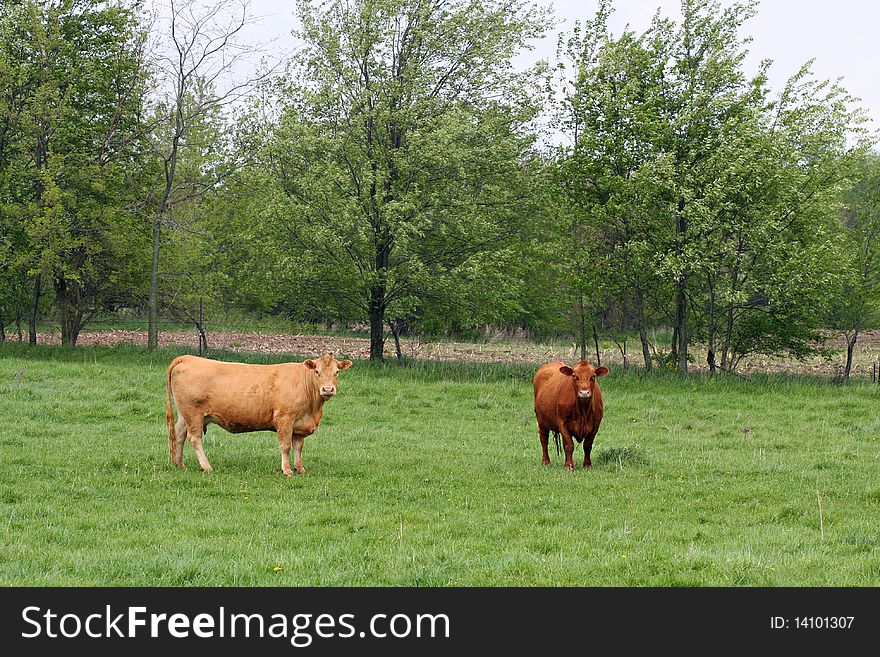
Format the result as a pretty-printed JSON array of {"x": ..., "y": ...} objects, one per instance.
[{"x": 842, "y": 36}]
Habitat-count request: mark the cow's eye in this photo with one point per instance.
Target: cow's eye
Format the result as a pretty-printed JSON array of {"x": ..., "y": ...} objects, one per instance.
[
  {"x": 576, "y": 377},
  {"x": 592, "y": 378}
]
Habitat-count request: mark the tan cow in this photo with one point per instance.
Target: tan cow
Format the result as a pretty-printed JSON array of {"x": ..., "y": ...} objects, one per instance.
[{"x": 287, "y": 398}]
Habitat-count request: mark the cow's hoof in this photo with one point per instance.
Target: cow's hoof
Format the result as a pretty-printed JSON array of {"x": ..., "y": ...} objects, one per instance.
[
  {"x": 569, "y": 468},
  {"x": 287, "y": 473},
  {"x": 300, "y": 471},
  {"x": 545, "y": 461},
  {"x": 208, "y": 469},
  {"x": 588, "y": 466}
]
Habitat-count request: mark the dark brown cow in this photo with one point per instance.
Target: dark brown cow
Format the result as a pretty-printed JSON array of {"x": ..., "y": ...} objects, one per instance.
[
  {"x": 568, "y": 402},
  {"x": 287, "y": 398}
]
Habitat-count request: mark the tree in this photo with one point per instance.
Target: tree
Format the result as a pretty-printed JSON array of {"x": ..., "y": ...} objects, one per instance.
[
  {"x": 402, "y": 153},
  {"x": 13, "y": 240},
  {"x": 200, "y": 76},
  {"x": 80, "y": 69},
  {"x": 698, "y": 188},
  {"x": 771, "y": 254},
  {"x": 858, "y": 305},
  {"x": 18, "y": 83},
  {"x": 616, "y": 177}
]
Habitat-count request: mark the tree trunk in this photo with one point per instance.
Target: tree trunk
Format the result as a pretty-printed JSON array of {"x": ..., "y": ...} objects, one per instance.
[
  {"x": 200, "y": 326},
  {"x": 673, "y": 347},
  {"x": 646, "y": 348},
  {"x": 393, "y": 326},
  {"x": 35, "y": 306},
  {"x": 681, "y": 324},
  {"x": 681, "y": 288},
  {"x": 710, "y": 357},
  {"x": 726, "y": 356},
  {"x": 203, "y": 340},
  {"x": 2, "y": 330},
  {"x": 596, "y": 342},
  {"x": 643, "y": 335},
  {"x": 377, "y": 303},
  {"x": 63, "y": 316},
  {"x": 67, "y": 297},
  {"x": 377, "y": 326},
  {"x": 74, "y": 328},
  {"x": 850, "y": 347},
  {"x": 153, "y": 310}
]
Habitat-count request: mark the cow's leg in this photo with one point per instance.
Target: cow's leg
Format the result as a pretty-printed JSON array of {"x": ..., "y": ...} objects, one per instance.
[
  {"x": 298, "y": 442},
  {"x": 284, "y": 433},
  {"x": 588, "y": 447},
  {"x": 195, "y": 427},
  {"x": 544, "y": 435},
  {"x": 568, "y": 446},
  {"x": 180, "y": 437}
]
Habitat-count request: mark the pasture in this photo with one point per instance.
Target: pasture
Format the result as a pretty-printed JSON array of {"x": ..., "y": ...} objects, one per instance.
[{"x": 430, "y": 475}]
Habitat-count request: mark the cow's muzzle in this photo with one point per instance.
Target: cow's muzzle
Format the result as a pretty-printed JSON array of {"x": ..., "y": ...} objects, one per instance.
[
  {"x": 328, "y": 392},
  {"x": 584, "y": 394}
]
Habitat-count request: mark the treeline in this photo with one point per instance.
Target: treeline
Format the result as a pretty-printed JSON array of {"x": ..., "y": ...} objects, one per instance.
[{"x": 399, "y": 171}]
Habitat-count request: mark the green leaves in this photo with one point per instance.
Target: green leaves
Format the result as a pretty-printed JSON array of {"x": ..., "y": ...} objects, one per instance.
[
  {"x": 73, "y": 87},
  {"x": 403, "y": 155},
  {"x": 856, "y": 302},
  {"x": 395, "y": 175},
  {"x": 703, "y": 197}
]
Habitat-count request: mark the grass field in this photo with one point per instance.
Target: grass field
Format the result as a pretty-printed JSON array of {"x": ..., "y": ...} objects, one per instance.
[{"x": 430, "y": 475}]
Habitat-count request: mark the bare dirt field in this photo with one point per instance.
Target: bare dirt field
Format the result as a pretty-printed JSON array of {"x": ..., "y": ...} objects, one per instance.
[{"x": 489, "y": 351}]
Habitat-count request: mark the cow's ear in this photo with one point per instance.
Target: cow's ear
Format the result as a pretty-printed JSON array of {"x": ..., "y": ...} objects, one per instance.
[
  {"x": 565, "y": 369},
  {"x": 310, "y": 364},
  {"x": 344, "y": 365},
  {"x": 601, "y": 371}
]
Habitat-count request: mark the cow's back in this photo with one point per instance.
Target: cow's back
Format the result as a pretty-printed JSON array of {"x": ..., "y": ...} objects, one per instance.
[{"x": 195, "y": 378}]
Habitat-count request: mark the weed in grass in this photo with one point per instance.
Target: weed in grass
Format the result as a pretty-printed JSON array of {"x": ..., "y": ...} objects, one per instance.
[{"x": 621, "y": 457}]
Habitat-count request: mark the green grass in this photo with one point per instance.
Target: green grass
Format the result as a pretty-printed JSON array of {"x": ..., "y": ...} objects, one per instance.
[{"x": 430, "y": 475}]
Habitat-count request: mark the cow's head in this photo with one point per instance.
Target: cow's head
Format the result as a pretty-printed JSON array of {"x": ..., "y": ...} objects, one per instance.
[
  {"x": 326, "y": 372},
  {"x": 583, "y": 378}
]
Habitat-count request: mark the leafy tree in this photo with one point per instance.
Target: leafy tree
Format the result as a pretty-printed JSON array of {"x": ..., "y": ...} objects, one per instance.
[
  {"x": 402, "y": 154},
  {"x": 199, "y": 78},
  {"x": 772, "y": 256},
  {"x": 17, "y": 84},
  {"x": 81, "y": 62},
  {"x": 705, "y": 199},
  {"x": 858, "y": 305},
  {"x": 13, "y": 241},
  {"x": 616, "y": 176}
]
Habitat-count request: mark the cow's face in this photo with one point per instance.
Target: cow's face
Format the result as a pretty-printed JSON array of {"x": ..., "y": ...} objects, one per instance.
[
  {"x": 326, "y": 372},
  {"x": 583, "y": 378}
]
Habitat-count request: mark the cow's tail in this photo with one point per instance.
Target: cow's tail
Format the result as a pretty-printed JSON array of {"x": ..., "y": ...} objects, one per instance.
[
  {"x": 169, "y": 415},
  {"x": 556, "y": 440}
]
